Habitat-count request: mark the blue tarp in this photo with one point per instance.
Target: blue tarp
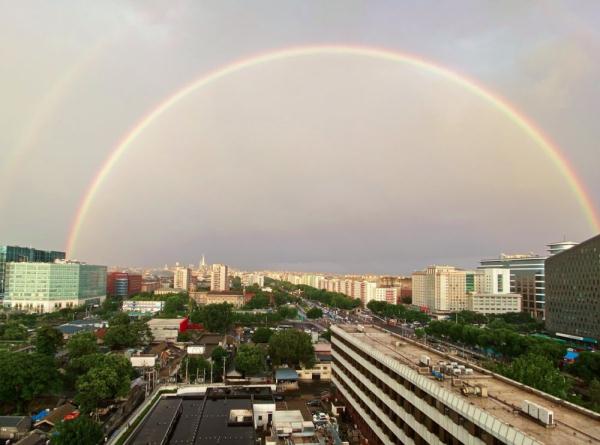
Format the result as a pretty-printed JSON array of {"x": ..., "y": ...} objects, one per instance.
[
  {"x": 571, "y": 355},
  {"x": 39, "y": 416}
]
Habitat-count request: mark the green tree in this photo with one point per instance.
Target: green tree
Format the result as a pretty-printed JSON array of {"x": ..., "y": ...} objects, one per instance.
[
  {"x": 287, "y": 312},
  {"x": 236, "y": 283},
  {"x": 120, "y": 318},
  {"x": 119, "y": 336},
  {"x": 48, "y": 340},
  {"x": 81, "y": 344},
  {"x": 314, "y": 312},
  {"x": 587, "y": 366},
  {"x": 538, "y": 372},
  {"x": 218, "y": 355},
  {"x": 258, "y": 301},
  {"x": 107, "y": 377},
  {"x": 215, "y": 317},
  {"x": 293, "y": 348},
  {"x": 24, "y": 377},
  {"x": 13, "y": 330},
  {"x": 420, "y": 333},
  {"x": 249, "y": 359},
  {"x": 195, "y": 367},
  {"x": 82, "y": 430},
  {"x": 262, "y": 335},
  {"x": 594, "y": 394}
]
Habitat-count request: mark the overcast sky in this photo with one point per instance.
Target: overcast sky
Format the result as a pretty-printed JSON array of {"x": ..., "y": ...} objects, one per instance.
[{"x": 329, "y": 163}]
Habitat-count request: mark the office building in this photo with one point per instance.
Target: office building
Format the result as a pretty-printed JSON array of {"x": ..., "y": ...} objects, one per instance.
[
  {"x": 123, "y": 284},
  {"x": 527, "y": 276},
  {"x": 573, "y": 292},
  {"x": 399, "y": 392},
  {"x": 219, "y": 280},
  {"x": 16, "y": 254},
  {"x": 386, "y": 294},
  {"x": 47, "y": 287},
  {"x": 182, "y": 278},
  {"x": 485, "y": 303}
]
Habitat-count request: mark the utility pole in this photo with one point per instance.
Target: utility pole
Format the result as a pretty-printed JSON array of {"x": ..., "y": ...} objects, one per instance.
[{"x": 211, "y": 366}]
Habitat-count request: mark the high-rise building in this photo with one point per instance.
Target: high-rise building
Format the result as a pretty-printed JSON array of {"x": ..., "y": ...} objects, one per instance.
[
  {"x": 387, "y": 294},
  {"x": 47, "y": 287},
  {"x": 123, "y": 284},
  {"x": 219, "y": 280},
  {"x": 573, "y": 292},
  {"x": 182, "y": 278},
  {"x": 441, "y": 288},
  {"x": 18, "y": 254},
  {"x": 527, "y": 276},
  {"x": 398, "y": 391}
]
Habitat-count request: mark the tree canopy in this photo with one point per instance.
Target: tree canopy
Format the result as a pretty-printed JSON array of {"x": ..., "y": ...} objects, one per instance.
[
  {"x": 262, "y": 335},
  {"x": 81, "y": 344},
  {"x": 291, "y": 347},
  {"x": 384, "y": 309},
  {"x": 24, "y": 377},
  {"x": 314, "y": 312},
  {"x": 82, "y": 430},
  {"x": 215, "y": 317},
  {"x": 249, "y": 359},
  {"x": 48, "y": 340}
]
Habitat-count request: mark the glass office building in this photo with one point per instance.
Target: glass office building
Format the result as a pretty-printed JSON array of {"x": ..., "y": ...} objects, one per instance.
[
  {"x": 47, "y": 287},
  {"x": 573, "y": 292},
  {"x": 9, "y": 254}
]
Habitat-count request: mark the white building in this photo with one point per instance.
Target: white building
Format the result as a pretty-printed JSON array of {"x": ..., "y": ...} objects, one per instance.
[
  {"x": 182, "y": 278},
  {"x": 219, "y": 280},
  {"x": 485, "y": 303},
  {"x": 144, "y": 307},
  {"x": 249, "y": 279},
  {"x": 440, "y": 289},
  {"x": 387, "y": 294}
]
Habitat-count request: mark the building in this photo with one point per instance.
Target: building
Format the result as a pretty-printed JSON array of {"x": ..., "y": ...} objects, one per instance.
[
  {"x": 76, "y": 326},
  {"x": 527, "y": 276},
  {"x": 249, "y": 279},
  {"x": 16, "y": 254},
  {"x": 219, "y": 280},
  {"x": 485, "y": 303},
  {"x": 398, "y": 391},
  {"x": 573, "y": 292},
  {"x": 13, "y": 428},
  {"x": 150, "y": 284},
  {"x": 440, "y": 289},
  {"x": 386, "y": 294},
  {"x": 123, "y": 284},
  {"x": 47, "y": 287},
  {"x": 182, "y": 278},
  {"x": 166, "y": 329},
  {"x": 219, "y": 415},
  {"x": 142, "y": 307},
  {"x": 235, "y": 298}
]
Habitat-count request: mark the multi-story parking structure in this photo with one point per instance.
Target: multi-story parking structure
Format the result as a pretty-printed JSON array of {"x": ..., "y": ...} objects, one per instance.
[{"x": 394, "y": 395}]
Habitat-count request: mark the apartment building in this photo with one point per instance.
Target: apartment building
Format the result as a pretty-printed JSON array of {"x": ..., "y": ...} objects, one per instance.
[
  {"x": 392, "y": 394},
  {"x": 219, "y": 279}
]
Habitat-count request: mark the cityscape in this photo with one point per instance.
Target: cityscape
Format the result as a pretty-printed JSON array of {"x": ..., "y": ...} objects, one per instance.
[{"x": 285, "y": 223}]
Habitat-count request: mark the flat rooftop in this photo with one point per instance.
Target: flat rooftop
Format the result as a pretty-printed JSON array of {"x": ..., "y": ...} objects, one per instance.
[
  {"x": 504, "y": 399},
  {"x": 203, "y": 419}
]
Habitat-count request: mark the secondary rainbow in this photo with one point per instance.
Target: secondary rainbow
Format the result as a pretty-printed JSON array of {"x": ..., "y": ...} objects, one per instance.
[{"x": 499, "y": 103}]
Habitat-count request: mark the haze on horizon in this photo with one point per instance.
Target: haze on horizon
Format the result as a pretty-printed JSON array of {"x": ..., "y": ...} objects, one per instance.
[{"x": 332, "y": 163}]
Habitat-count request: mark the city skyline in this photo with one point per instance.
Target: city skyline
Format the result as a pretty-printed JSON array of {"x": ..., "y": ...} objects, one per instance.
[{"x": 402, "y": 165}]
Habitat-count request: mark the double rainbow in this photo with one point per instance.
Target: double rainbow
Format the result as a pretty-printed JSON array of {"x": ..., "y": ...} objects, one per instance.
[{"x": 500, "y": 104}]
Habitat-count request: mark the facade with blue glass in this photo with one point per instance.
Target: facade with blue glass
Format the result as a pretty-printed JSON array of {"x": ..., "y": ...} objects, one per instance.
[{"x": 16, "y": 254}]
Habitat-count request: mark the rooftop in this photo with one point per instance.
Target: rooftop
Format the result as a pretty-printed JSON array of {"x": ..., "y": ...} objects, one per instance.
[{"x": 504, "y": 399}]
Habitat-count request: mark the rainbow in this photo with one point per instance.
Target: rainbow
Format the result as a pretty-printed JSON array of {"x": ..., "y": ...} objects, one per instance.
[{"x": 500, "y": 104}]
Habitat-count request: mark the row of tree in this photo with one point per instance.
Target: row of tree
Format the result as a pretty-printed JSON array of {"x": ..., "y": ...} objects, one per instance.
[{"x": 397, "y": 311}]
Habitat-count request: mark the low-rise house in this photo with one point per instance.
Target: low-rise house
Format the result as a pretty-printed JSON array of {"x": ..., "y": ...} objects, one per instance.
[
  {"x": 76, "y": 326},
  {"x": 55, "y": 417},
  {"x": 14, "y": 427}
]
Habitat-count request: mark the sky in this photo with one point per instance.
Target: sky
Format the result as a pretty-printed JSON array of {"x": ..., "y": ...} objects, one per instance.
[{"x": 330, "y": 162}]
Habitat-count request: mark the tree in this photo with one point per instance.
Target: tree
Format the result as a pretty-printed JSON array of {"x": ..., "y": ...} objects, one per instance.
[
  {"x": 215, "y": 317},
  {"x": 262, "y": 335},
  {"x": 594, "y": 394},
  {"x": 287, "y": 312},
  {"x": 82, "y": 430},
  {"x": 218, "y": 355},
  {"x": 292, "y": 347},
  {"x": 236, "y": 283},
  {"x": 258, "y": 301},
  {"x": 107, "y": 377},
  {"x": 538, "y": 372},
  {"x": 587, "y": 366},
  {"x": 195, "y": 367},
  {"x": 48, "y": 340},
  {"x": 13, "y": 330},
  {"x": 119, "y": 336},
  {"x": 249, "y": 359},
  {"x": 314, "y": 312},
  {"x": 24, "y": 377},
  {"x": 81, "y": 344}
]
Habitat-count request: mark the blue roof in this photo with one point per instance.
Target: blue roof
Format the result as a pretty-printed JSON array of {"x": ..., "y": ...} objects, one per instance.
[{"x": 286, "y": 374}]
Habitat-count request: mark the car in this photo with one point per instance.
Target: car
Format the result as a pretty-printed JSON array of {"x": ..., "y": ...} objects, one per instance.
[{"x": 314, "y": 402}]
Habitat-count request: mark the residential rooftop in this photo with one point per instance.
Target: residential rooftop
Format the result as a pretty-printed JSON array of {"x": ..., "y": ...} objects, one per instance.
[{"x": 505, "y": 398}]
